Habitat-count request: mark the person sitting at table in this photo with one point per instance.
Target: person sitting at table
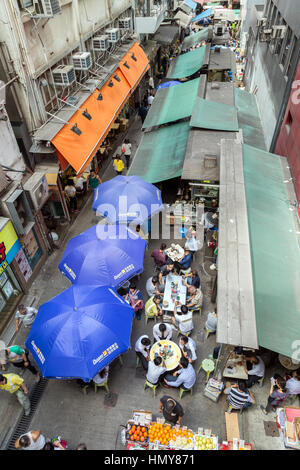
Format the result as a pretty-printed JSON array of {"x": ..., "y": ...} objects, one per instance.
[
  {"x": 191, "y": 279},
  {"x": 211, "y": 322},
  {"x": 188, "y": 348},
  {"x": 165, "y": 270},
  {"x": 153, "y": 287},
  {"x": 293, "y": 382},
  {"x": 159, "y": 256},
  {"x": 162, "y": 331},
  {"x": 255, "y": 369},
  {"x": 194, "y": 298},
  {"x": 153, "y": 306},
  {"x": 135, "y": 299},
  {"x": 185, "y": 262},
  {"x": 101, "y": 376},
  {"x": 142, "y": 350},
  {"x": 156, "y": 368},
  {"x": 183, "y": 319},
  {"x": 238, "y": 396},
  {"x": 185, "y": 377}
]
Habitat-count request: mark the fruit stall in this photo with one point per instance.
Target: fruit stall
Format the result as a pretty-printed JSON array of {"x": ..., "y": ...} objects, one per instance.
[{"x": 142, "y": 433}]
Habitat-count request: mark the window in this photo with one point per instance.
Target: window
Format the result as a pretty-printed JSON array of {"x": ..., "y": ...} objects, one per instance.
[
  {"x": 287, "y": 47},
  {"x": 291, "y": 57},
  {"x": 25, "y": 3}
]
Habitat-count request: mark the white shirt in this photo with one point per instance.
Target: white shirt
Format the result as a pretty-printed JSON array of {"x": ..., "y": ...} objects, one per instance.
[
  {"x": 185, "y": 322},
  {"x": 293, "y": 386},
  {"x": 99, "y": 380},
  {"x": 29, "y": 316},
  {"x": 127, "y": 149},
  {"x": 150, "y": 99},
  {"x": 150, "y": 287},
  {"x": 139, "y": 347},
  {"x": 258, "y": 369},
  {"x": 154, "y": 372},
  {"x": 157, "y": 333},
  {"x": 191, "y": 345},
  {"x": 79, "y": 182}
]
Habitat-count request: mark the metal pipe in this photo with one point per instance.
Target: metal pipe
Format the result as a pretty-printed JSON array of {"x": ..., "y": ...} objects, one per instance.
[
  {"x": 205, "y": 184},
  {"x": 8, "y": 83}
]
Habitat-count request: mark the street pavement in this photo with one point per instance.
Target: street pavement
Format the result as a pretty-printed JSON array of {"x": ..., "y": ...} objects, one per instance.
[{"x": 64, "y": 410}]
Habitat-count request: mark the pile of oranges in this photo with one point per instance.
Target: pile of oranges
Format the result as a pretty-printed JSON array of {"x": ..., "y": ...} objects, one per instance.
[
  {"x": 161, "y": 433},
  {"x": 138, "y": 433}
]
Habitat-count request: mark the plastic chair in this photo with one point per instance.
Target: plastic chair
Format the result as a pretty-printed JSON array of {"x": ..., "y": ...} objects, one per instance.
[
  {"x": 121, "y": 359},
  {"x": 230, "y": 408},
  {"x": 208, "y": 366},
  {"x": 137, "y": 361},
  {"x": 185, "y": 271},
  {"x": 197, "y": 309},
  {"x": 182, "y": 390},
  {"x": 147, "y": 317},
  {"x": 150, "y": 385},
  {"x": 104, "y": 384},
  {"x": 208, "y": 332},
  {"x": 261, "y": 381},
  {"x": 179, "y": 333}
]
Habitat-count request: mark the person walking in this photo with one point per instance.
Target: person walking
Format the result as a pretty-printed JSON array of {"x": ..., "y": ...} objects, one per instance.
[
  {"x": 118, "y": 165},
  {"x": 26, "y": 314},
  {"x": 171, "y": 410},
  {"x": 18, "y": 357},
  {"x": 32, "y": 440},
  {"x": 126, "y": 151},
  {"x": 93, "y": 180},
  {"x": 13, "y": 383}
]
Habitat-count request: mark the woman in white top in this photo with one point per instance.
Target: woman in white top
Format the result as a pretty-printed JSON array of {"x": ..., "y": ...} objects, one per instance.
[
  {"x": 126, "y": 150},
  {"x": 33, "y": 440},
  {"x": 102, "y": 376}
]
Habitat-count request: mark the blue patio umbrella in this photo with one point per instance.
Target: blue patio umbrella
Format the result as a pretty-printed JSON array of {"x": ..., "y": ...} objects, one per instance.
[
  {"x": 127, "y": 199},
  {"x": 168, "y": 84},
  {"x": 79, "y": 332},
  {"x": 103, "y": 255}
]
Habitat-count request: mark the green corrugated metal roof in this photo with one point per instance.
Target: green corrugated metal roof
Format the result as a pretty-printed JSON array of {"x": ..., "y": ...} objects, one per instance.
[
  {"x": 212, "y": 115},
  {"x": 249, "y": 119},
  {"x": 173, "y": 103},
  {"x": 274, "y": 251},
  {"x": 187, "y": 64},
  {"x": 161, "y": 153},
  {"x": 196, "y": 38}
]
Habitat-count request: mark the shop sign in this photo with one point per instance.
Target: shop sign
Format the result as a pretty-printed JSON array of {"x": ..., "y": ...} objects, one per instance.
[{"x": 9, "y": 245}]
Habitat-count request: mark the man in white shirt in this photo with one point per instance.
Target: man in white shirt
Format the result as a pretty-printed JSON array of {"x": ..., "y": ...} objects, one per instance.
[
  {"x": 188, "y": 348},
  {"x": 256, "y": 372},
  {"x": 142, "y": 349},
  {"x": 27, "y": 314},
  {"x": 156, "y": 368},
  {"x": 150, "y": 99},
  {"x": 70, "y": 192},
  {"x": 162, "y": 331},
  {"x": 184, "y": 319},
  {"x": 293, "y": 383}
]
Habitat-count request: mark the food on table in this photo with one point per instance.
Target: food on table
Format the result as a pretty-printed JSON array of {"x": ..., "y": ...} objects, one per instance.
[
  {"x": 138, "y": 433},
  {"x": 204, "y": 443}
]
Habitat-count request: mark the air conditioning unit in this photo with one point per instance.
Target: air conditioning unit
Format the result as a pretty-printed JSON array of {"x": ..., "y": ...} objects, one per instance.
[
  {"x": 113, "y": 34},
  {"x": 125, "y": 23},
  {"x": 16, "y": 206},
  {"x": 100, "y": 43},
  {"x": 47, "y": 8},
  {"x": 278, "y": 32},
  {"x": 64, "y": 75},
  {"x": 36, "y": 189},
  {"x": 82, "y": 61},
  {"x": 265, "y": 35},
  {"x": 26, "y": 3}
]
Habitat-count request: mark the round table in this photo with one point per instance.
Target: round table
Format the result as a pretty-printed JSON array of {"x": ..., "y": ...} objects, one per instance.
[
  {"x": 206, "y": 268},
  {"x": 171, "y": 362},
  {"x": 287, "y": 362}
]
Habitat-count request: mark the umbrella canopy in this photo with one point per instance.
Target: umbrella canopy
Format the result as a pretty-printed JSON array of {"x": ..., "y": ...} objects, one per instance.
[
  {"x": 79, "y": 332},
  {"x": 168, "y": 84},
  {"x": 126, "y": 199},
  {"x": 103, "y": 255}
]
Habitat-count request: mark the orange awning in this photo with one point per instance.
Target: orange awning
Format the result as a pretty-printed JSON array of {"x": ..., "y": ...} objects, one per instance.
[{"x": 78, "y": 150}]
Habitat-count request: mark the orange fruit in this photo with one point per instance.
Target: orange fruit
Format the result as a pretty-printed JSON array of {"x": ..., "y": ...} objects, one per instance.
[
  {"x": 143, "y": 429},
  {"x": 131, "y": 438},
  {"x": 142, "y": 439}
]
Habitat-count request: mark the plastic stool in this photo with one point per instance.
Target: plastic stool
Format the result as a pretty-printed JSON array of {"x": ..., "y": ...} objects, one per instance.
[
  {"x": 182, "y": 390},
  {"x": 150, "y": 385},
  {"x": 104, "y": 384},
  {"x": 208, "y": 366}
]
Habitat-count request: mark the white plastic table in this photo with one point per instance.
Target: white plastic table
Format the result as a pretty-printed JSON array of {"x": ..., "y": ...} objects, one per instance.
[{"x": 181, "y": 292}]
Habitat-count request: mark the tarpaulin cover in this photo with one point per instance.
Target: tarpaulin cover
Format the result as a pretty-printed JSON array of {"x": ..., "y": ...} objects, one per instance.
[
  {"x": 196, "y": 38},
  {"x": 127, "y": 199},
  {"x": 183, "y": 19},
  {"x": 249, "y": 119},
  {"x": 187, "y": 64},
  {"x": 78, "y": 150},
  {"x": 212, "y": 115},
  {"x": 204, "y": 14},
  {"x": 161, "y": 153},
  {"x": 274, "y": 251},
  {"x": 173, "y": 103},
  {"x": 79, "y": 332},
  {"x": 103, "y": 255}
]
